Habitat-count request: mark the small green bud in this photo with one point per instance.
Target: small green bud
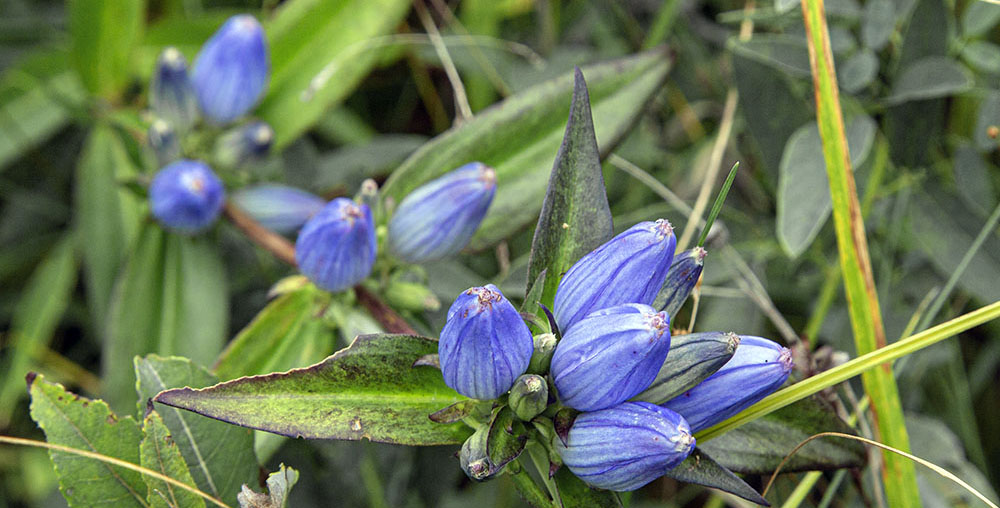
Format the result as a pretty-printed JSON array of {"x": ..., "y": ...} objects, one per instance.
[
  {"x": 529, "y": 396},
  {"x": 411, "y": 296},
  {"x": 473, "y": 458},
  {"x": 545, "y": 346}
]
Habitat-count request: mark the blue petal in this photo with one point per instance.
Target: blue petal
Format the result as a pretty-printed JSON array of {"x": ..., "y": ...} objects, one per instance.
[{"x": 231, "y": 71}]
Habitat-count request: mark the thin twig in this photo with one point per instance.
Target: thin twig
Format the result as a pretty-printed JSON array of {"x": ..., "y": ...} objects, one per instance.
[{"x": 461, "y": 100}]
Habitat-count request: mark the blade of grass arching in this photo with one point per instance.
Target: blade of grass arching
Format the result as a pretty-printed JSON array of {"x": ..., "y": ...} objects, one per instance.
[
  {"x": 898, "y": 474},
  {"x": 717, "y": 206}
]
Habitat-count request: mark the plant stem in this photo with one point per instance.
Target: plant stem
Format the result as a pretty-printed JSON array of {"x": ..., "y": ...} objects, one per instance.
[{"x": 528, "y": 489}]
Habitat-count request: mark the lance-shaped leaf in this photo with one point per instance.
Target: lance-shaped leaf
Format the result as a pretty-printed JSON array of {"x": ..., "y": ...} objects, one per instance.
[
  {"x": 575, "y": 218},
  {"x": 700, "y": 469},
  {"x": 506, "y": 438},
  {"x": 76, "y": 422},
  {"x": 220, "y": 457},
  {"x": 520, "y": 136},
  {"x": 370, "y": 390},
  {"x": 159, "y": 453},
  {"x": 759, "y": 446},
  {"x": 693, "y": 357}
]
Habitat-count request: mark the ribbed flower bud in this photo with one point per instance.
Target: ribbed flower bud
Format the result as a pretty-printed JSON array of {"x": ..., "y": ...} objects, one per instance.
[
  {"x": 336, "y": 247},
  {"x": 186, "y": 196},
  {"x": 610, "y": 356},
  {"x": 529, "y": 396},
  {"x": 545, "y": 347},
  {"x": 484, "y": 345},
  {"x": 170, "y": 94},
  {"x": 758, "y": 368},
  {"x": 231, "y": 70},
  {"x": 245, "y": 144},
  {"x": 682, "y": 277},
  {"x": 278, "y": 207},
  {"x": 627, "y": 446},
  {"x": 163, "y": 140},
  {"x": 439, "y": 218},
  {"x": 630, "y": 268},
  {"x": 693, "y": 358}
]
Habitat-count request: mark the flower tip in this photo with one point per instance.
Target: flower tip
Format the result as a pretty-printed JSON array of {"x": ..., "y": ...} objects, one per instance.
[
  {"x": 172, "y": 58},
  {"x": 663, "y": 228},
  {"x": 734, "y": 342},
  {"x": 786, "y": 359},
  {"x": 699, "y": 255},
  {"x": 487, "y": 175}
]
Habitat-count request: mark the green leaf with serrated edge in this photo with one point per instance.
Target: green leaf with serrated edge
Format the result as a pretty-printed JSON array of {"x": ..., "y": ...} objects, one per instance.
[
  {"x": 759, "y": 446},
  {"x": 312, "y": 40},
  {"x": 103, "y": 34},
  {"x": 575, "y": 494},
  {"x": 219, "y": 456},
  {"x": 84, "y": 424},
  {"x": 505, "y": 440},
  {"x": 575, "y": 217},
  {"x": 42, "y": 304},
  {"x": 159, "y": 452},
  {"x": 279, "y": 484},
  {"x": 171, "y": 298},
  {"x": 288, "y": 333},
  {"x": 692, "y": 358},
  {"x": 520, "y": 136},
  {"x": 700, "y": 469},
  {"x": 369, "y": 390}
]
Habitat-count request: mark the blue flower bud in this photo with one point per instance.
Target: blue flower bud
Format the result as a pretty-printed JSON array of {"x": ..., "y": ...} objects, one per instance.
[
  {"x": 439, "y": 218},
  {"x": 170, "y": 94},
  {"x": 231, "y": 70},
  {"x": 610, "y": 356},
  {"x": 758, "y": 368},
  {"x": 682, "y": 277},
  {"x": 336, "y": 247},
  {"x": 163, "y": 140},
  {"x": 248, "y": 143},
  {"x": 186, "y": 196},
  {"x": 484, "y": 345},
  {"x": 626, "y": 446},
  {"x": 630, "y": 268},
  {"x": 278, "y": 207}
]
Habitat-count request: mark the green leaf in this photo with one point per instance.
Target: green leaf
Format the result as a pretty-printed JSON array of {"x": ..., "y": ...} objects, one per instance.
[
  {"x": 759, "y": 446},
  {"x": 988, "y": 115},
  {"x": 520, "y": 136},
  {"x": 984, "y": 56},
  {"x": 574, "y": 493},
  {"x": 700, "y": 469},
  {"x": 368, "y": 390},
  {"x": 159, "y": 453},
  {"x": 930, "y": 78},
  {"x": 84, "y": 424},
  {"x": 103, "y": 34},
  {"x": 41, "y": 307},
  {"x": 786, "y": 53},
  {"x": 171, "y": 299},
  {"x": 804, "y": 202},
  {"x": 972, "y": 178},
  {"x": 575, "y": 217},
  {"x": 337, "y": 38},
  {"x": 877, "y": 24},
  {"x": 288, "y": 333},
  {"x": 279, "y": 484},
  {"x": 692, "y": 358},
  {"x": 505, "y": 440},
  {"x": 979, "y": 17},
  {"x": 859, "y": 71}
]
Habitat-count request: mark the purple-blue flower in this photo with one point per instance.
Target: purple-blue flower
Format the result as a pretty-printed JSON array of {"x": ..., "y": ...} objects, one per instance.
[
  {"x": 610, "y": 356},
  {"x": 629, "y": 268},
  {"x": 170, "y": 94},
  {"x": 439, "y": 218},
  {"x": 278, "y": 207},
  {"x": 186, "y": 196},
  {"x": 244, "y": 144},
  {"x": 758, "y": 368},
  {"x": 484, "y": 345},
  {"x": 336, "y": 247},
  {"x": 231, "y": 71},
  {"x": 626, "y": 446}
]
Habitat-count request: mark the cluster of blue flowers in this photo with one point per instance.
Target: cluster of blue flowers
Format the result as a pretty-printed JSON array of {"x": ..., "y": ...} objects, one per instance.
[{"x": 613, "y": 343}]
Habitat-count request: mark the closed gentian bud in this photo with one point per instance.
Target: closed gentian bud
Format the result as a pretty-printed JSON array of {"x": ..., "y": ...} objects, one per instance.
[
  {"x": 682, "y": 277},
  {"x": 336, "y": 247},
  {"x": 170, "y": 94},
  {"x": 473, "y": 458},
  {"x": 231, "y": 70},
  {"x": 163, "y": 140},
  {"x": 484, "y": 345},
  {"x": 245, "y": 144},
  {"x": 439, "y": 218},
  {"x": 758, "y": 368},
  {"x": 693, "y": 358},
  {"x": 529, "y": 396},
  {"x": 277, "y": 207},
  {"x": 627, "y": 446},
  {"x": 545, "y": 347},
  {"x": 610, "y": 356},
  {"x": 630, "y": 268},
  {"x": 186, "y": 196}
]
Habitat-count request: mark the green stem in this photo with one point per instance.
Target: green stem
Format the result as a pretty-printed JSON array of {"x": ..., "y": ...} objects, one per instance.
[{"x": 529, "y": 490}]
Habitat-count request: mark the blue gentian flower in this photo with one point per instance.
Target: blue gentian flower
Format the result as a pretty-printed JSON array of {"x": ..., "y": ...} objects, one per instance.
[
  {"x": 231, "y": 71},
  {"x": 277, "y": 207},
  {"x": 170, "y": 94},
  {"x": 626, "y": 446},
  {"x": 758, "y": 368},
  {"x": 484, "y": 345},
  {"x": 630, "y": 268},
  {"x": 336, "y": 247},
  {"x": 439, "y": 218},
  {"x": 242, "y": 145},
  {"x": 186, "y": 196},
  {"x": 610, "y": 356}
]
